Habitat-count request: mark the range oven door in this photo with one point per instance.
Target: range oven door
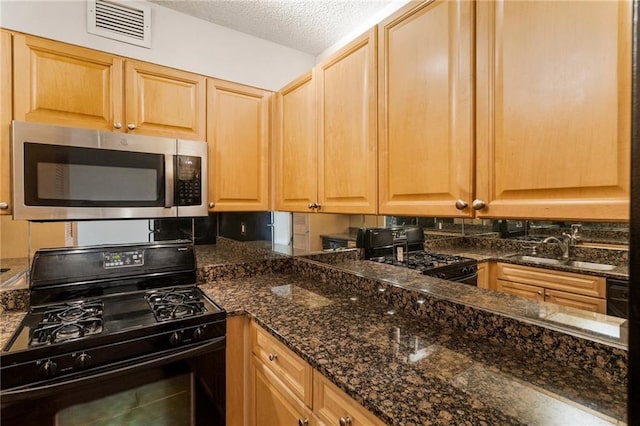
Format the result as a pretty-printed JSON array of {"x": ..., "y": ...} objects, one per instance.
[{"x": 185, "y": 386}]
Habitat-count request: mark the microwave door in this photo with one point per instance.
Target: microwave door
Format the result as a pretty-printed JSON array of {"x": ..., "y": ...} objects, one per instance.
[
  {"x": 75, "y": 174},
  {"x": 190, "y": 179}
]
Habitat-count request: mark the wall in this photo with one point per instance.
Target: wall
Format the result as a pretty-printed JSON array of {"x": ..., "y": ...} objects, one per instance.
[{"x": 178, "y": 41}]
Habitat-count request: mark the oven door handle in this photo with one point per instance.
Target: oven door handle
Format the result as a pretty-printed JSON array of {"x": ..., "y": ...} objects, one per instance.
[
  {"x": 464, "y": 277},
  {"x": 11, "y": 396}
]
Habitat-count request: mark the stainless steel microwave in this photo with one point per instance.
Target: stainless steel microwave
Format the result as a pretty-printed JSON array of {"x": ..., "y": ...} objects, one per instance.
[{"x": 64, "y": 173}]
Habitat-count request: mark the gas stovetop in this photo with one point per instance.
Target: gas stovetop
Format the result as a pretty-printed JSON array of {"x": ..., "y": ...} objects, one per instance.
[
  {"x": 424, "y": 261},
  {"x": 403, "y": 247},
  {"x": 123, "y": 303}
]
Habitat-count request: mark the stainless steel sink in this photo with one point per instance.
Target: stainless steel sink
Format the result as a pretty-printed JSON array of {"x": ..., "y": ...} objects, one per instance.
[
  {"x": 589, "y": 265},
  {"x": 543, "y": 260},
  {"x": 572, "y": 263}
]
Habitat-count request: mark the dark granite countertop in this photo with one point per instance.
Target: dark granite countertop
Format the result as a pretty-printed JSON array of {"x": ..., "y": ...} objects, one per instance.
[
  {"x": 16, "y": 267},
  {"x": 411, "y": 372}
]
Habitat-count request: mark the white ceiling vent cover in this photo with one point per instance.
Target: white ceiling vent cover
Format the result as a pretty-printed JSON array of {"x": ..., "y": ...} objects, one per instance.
[{"x": 127, "y": 21}]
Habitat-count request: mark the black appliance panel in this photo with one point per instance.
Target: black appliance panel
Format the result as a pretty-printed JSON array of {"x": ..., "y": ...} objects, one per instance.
[{"x": 618, "y": 298}]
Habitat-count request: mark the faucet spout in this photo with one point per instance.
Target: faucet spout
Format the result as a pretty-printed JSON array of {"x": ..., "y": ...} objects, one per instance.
[{"x": 564, "y": 245}]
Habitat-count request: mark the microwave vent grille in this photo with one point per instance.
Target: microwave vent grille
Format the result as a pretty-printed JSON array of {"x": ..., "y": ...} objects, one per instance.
[{"x": 129, "y": 22}]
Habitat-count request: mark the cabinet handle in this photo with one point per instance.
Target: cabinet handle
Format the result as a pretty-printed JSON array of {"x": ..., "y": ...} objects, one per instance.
[
  {"x": 131, "y": 126},
  {"x": 273, "y": 357},
  {"x": 345, "y": 421},
  {"x": 478, "y": 204},
  {"x": 316, "y": 205},
  {"x": 117, "y": 125},
  {"x": 4, "y": 206},
  {"x": 212, "y": 205},
  {"x": 303, "y": 422},
  {"x": 461, "y": 204},
  {"x": 312, "y": 205},
  {"x": 540, "y": 292}
]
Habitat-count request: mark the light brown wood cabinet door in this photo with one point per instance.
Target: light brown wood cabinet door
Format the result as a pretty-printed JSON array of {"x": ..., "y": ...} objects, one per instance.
[
  {"x": 587, "y": 303},
  {"x": 60, "y": 84},
  {"x": 238, "y": 139},
  {"x": 553, "y": 109},
  {"x": 270, "y": 403},
  {"x": 296, "y": 148},
  {"x": 165, "y": 102},
  {"x": 519, "y": 289},
  {"x": 426, "y": 110},
  {"x": 6, "y": 113},
  {"x": 347, "y": 129}
]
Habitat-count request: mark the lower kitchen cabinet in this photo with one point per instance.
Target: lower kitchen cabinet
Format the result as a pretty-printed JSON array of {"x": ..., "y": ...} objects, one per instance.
[
  {"x": 484, "y": 280},
  {"x": 285, "y": 390},
  {"x": 334, "y": 407},
  {"x": 585, "y": 292},
  {"x": 272, "y": 403},
  {"x": 237, "y": 369}
]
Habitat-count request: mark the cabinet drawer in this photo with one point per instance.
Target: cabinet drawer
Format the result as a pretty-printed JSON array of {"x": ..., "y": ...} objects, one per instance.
[
  {"x": 517, "y": 289},
  {"x": 587, "y": 303},
  {"x": 292, "y": 370},
  {"x": 333, "y": 405},
  {"x": 564, "y": 281}
]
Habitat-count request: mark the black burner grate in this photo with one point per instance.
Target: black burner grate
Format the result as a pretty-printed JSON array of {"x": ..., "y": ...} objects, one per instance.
[
  {"x": 175, "y": 303},
  {"x": 68, "y": 321}
]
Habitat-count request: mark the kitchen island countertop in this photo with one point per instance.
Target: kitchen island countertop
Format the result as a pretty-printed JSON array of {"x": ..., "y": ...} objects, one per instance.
[{"x": 410, "y": 372}]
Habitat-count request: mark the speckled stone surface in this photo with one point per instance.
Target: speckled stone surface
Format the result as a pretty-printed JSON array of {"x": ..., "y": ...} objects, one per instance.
[
  {"x": 333, "y": 257},
  {"x": 618, "y": 257},
  {"x": 409, "y": 371},
  {"x": 9, "y": 322},
  {"x": 545, "y": 330},
  {"x": 15, "y": 266}
]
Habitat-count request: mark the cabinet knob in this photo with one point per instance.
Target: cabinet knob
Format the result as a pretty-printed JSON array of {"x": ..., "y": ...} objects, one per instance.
[
  {"x": 461, "y": 204},
  {"x": 316, "y": 205},
  {"x": 131, "y": 126},
  {"x": 540, "y": 292},
  {"x": 478, "y": 204},
  {"x": 117, "y": 125},
  {"x": 345, "y": 421},
  {"x": 303, "y": 422},
  {"x": 4, "y": 206},
  {"x": 311, "y": 205},
  {"x": 273, "y": 357},
  {"x": 212, "y": 205}
]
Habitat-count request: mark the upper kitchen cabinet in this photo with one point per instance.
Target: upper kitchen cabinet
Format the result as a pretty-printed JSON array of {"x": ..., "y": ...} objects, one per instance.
[
  {"x": 163, "y": 101},
  {"x": 296, "y": 148},
  {"x": 5, "y": 122},
  {"x": 57, "y": 83},
  {"x": 238, "y": 139},
  {"x": 72, "y": 86},
  {"x": 426, "y": 110},
  {"x": 347, "y": 128},
  {"x": 553, "y": 109}
]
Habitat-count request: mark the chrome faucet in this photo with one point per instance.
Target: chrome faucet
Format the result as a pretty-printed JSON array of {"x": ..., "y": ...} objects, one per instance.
[{"x": 563, "y": 244}]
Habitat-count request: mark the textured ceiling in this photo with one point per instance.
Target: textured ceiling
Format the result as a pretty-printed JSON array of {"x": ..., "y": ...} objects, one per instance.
[{"x": 310, "y": 26}]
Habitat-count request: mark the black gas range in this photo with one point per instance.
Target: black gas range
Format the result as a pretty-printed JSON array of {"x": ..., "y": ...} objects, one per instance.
[
  {"x": 404, "y": 247},
  {"x": 110, "y": 319}
]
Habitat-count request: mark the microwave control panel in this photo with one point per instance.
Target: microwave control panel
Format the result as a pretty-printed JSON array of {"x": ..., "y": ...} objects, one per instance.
[{"x": 188, "y": 182}]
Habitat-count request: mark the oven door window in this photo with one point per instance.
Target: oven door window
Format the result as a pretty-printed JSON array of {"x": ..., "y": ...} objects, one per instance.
[
  {"x": 85, "y": 177},
  {"x": 166, "y": 402}
]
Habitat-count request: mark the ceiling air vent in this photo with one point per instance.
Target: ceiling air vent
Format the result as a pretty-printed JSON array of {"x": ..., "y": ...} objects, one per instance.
[{"x": 127, "y": 21}]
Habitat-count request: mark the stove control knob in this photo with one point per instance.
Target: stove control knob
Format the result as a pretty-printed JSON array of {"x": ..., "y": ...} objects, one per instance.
[
  {"x": 49, "y": 368},
  {"x": 198, "y": 334},
  {"x": 176, "y": 338},
  {"x": 83, "y": 361}
]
